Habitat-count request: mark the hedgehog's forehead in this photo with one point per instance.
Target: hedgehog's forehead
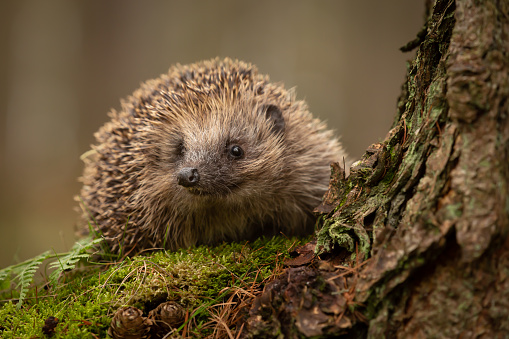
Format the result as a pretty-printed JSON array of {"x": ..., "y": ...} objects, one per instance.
[
  {"x": 217, "y": 118},
  {"x": 220, "y": 125}
]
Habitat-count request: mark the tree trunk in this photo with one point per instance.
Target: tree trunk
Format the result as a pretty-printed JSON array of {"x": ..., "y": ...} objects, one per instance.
[{"x": 415, "y": 241}]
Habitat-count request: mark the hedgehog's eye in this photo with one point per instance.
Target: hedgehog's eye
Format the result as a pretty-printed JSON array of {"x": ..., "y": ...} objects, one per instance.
[
  {"x": 180, "y": 150},
  {"x": 236, "y": 151}
]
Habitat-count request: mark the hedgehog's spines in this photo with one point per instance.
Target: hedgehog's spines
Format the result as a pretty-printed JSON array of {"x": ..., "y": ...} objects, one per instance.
[{"x": 130, "y": 184}]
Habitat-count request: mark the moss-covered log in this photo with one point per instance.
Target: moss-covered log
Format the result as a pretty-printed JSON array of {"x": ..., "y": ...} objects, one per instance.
[{"x": 428, "y": 207}]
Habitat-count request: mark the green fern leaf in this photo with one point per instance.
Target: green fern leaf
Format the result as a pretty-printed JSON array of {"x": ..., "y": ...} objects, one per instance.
[
  {"x": 26, "y": 276},
  {"x": 68, "y": 262},
  {"x": 5, "y": 273}
]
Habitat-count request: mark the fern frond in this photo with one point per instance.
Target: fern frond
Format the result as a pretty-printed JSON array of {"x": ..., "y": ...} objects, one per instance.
[
  {"x": 68, "y": 262},
  {"x": 4, "y": 274},
  {"x": 26, "y": 275}
]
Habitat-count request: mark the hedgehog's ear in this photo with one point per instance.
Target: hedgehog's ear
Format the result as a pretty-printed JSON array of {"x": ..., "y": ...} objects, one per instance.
[{"x": 275, "y": 116}]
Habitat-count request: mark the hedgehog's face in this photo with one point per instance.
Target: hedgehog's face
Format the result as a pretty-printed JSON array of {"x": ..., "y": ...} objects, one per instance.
[
  {"x": 232, "y": 153},
  {"x": 216, "y": 171}
]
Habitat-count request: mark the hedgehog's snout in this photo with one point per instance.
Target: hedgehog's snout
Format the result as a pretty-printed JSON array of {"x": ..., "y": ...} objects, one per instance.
[{"x": 188, "y": 177}]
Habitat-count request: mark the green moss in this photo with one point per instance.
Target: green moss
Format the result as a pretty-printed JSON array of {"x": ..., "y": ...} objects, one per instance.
[
  {"x": 454, "y": 211},
  {"x": 84, "y": 301},
  {"x": 343, "y": 233}
]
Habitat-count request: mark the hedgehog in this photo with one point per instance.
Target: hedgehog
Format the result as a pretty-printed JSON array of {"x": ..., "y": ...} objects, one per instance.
[{"x": 209, "y": 152}]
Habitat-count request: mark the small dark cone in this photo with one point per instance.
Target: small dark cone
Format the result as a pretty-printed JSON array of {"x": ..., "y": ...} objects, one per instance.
[
  {"x": 129, "y": 323},
  {"x": 166, "y": 317},
  {"x": 49, "y": 326}
]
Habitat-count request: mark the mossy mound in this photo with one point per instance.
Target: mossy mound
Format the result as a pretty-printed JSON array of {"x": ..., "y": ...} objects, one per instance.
[{"x": 211, "y": 283}]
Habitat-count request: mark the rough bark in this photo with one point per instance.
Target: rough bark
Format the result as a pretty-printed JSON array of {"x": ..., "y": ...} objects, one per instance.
[{"x": 426, "y": 212}]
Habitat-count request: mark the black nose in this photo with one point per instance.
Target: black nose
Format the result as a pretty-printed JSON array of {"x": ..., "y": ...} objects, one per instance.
[{"x": 188, "y": 177}]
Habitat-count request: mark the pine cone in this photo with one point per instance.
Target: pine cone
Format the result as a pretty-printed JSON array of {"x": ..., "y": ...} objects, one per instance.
[
  {"x": 129, "y": 323},
  {"x": 166, "y": 317}
]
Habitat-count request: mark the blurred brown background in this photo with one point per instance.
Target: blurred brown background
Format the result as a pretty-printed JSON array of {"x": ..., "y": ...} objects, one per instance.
[{"x": 64, "y": 64}]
